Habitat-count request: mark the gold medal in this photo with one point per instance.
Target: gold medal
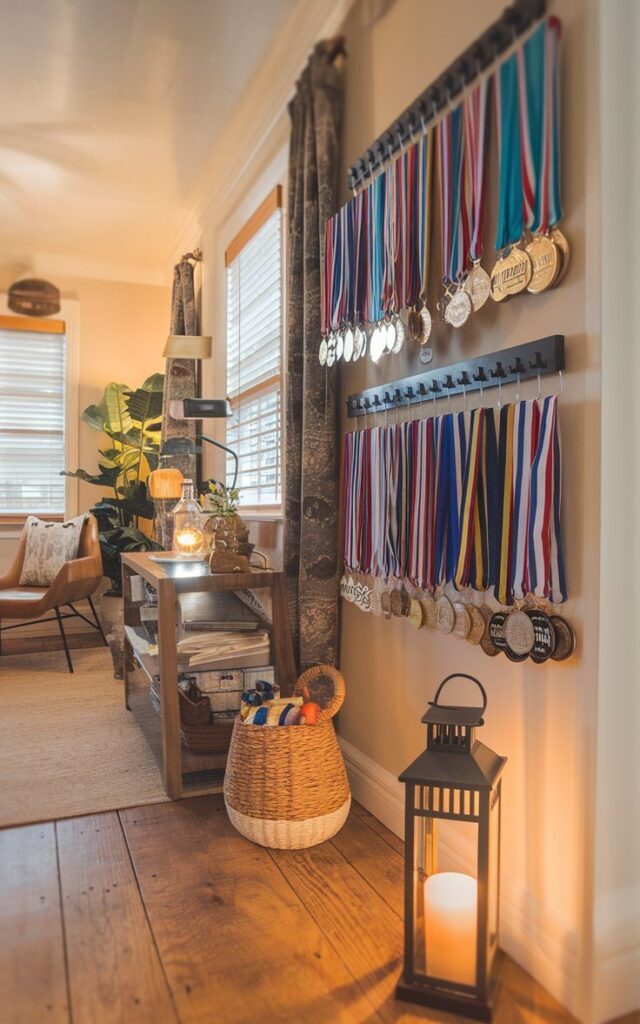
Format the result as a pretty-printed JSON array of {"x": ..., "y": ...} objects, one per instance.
[
  {"x": 445, "y": 615},
  {"x": 415, "y": 614},
  {"x": 545, "y": 262},
  {"x": 458, "y": 309},
  {"x": 430, "y": 617},
  {"x": 565, "y": 638},
  {"x": 396, "y": 603},
  {"x": 477, "y": 625},
  {"x": 511, "y": 274},
  {"x": 462, "y": 624},
  {"x": 561, "y": 242},
  {"x": 478, "y": 286}
]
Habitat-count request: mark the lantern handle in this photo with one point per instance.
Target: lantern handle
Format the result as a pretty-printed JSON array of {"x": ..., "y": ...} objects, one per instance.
[{"x": 460, "y": 675}]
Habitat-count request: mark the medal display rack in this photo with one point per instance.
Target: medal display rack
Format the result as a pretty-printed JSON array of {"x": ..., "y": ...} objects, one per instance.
[
  {"x": 476, "y": 59},
  {"x": 530, "y": 361}
]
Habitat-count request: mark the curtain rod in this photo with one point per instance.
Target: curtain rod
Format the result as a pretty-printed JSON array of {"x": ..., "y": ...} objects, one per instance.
[{"x": 513, "y": 23}]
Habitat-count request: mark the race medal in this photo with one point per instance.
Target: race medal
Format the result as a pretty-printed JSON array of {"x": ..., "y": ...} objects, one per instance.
[
  {"x": 497, "y": 294},
  {"x": 560, "y": 241},
  {"x": 462, "y": 624},
  {"x": 565, "y": 638},
  {"x": 545, "y": 638},
  {"x": 519, "y": 633},
  {"x": 478, "y": 286},
  {"x": 339, "y": 346},
  {"x": 396, "y": 603},
  {"x": 496, "y": 627},
  {"x": 331, "y": 351},
  {"x": 359, "y": 343},
  {"x": 400, "y": 332},
  {"x": 512, "y": 656},
  {"x": 445, "y": 615},
  {"x": 477, "y": 625},
  {"x": 545, "y": 263},
  {"x": 377, "y": 343},
  {"x": 322, "y": 354},
  {"x": 513, "y": 273},
  {"x": 389, "y": 336},
  {"x": 385, "y": 604},
  {"x": 348, "y": 345},
  {"x": 415, "y": 614},
  {"x": 487, "y": 644},
  {"x": 430, "y": 616},
  {"x": 458, "y": 310},
  {"x": 416, "y": 327}
]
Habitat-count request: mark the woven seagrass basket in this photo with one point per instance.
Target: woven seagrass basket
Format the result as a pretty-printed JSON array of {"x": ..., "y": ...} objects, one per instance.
[{"x": 286, "y": 786}]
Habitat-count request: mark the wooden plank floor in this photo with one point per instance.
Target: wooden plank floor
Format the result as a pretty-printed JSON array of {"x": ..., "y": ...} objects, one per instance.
[{"x": 165, "y": 914}]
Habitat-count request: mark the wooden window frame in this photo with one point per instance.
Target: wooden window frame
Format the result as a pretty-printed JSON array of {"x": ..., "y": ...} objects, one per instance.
[{"x": 272, "y": 202}]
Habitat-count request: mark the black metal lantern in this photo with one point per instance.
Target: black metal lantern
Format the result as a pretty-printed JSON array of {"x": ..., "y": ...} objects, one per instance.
[{"x": 451, "y": 917}]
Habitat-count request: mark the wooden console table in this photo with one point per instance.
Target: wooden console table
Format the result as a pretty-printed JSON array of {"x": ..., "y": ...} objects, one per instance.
[{"x": 170, "y": 580}]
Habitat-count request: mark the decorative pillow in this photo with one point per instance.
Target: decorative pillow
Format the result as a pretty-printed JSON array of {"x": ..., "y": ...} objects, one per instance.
[{"x": 49, "y": 546}]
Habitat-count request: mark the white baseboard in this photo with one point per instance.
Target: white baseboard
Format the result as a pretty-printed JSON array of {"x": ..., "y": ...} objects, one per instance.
[{"x": 529, "y": 932}]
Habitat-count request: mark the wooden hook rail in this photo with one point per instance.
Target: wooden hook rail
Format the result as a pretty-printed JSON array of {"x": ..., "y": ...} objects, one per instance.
[
  {"x": 522, "y": 362},
  {"x": 503, "y": 33}
]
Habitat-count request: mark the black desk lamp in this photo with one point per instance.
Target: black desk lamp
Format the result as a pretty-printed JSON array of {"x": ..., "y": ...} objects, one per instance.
[{"x": 201, "y": 409}]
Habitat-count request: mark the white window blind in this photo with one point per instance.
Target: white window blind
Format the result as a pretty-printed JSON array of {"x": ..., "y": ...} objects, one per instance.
[
  {"x": 254, "y": 333},
  {"x": 32, "y": 440}
]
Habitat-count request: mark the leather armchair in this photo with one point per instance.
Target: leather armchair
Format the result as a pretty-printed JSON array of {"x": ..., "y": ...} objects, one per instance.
[{"x": 76, "y": 581}]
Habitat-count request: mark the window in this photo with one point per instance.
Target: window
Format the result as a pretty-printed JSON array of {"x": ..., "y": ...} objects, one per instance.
[
  {"x": 254, "y": 355},
  {"x": 32, "y": 419}
]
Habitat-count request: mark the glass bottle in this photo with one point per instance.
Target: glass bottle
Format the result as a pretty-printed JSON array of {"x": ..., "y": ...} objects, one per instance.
[{"x": 189, "y": 525}]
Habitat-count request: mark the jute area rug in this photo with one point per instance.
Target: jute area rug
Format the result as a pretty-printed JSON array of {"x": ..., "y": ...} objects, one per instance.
[{"x": 68, "y": 746}]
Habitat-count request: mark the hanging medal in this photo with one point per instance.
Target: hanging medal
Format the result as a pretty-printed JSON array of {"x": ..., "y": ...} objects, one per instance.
[
  {"x": 554, "y": 31},
  {"x": 512, "y": 271},
  {"x": 420, "y": 322},
  {"x": 535, "y": 92},
  {"x": 377, "y": 338},
  {"x": 476, "y": 131},
  {"x": 389, "y": 257},
  {"x": 456, "y": 306}
]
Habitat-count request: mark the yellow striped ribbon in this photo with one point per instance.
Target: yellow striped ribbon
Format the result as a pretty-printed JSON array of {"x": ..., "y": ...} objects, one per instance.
[
  {"x": 507, "y": 509},
  {"x": 469, "y": 497}
]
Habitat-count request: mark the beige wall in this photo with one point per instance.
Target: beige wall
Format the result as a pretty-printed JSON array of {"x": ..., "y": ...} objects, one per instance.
[
  {"x": 539, "y": 716},
  {"x": 122, "y": 329}
]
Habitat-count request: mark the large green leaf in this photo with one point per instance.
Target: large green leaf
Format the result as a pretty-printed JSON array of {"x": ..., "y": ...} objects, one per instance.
[
  {"x": 144, "y": 405},
  {"x": 111, "y": 415},
  {"x": 134, "y": 500},
  {"x": 106, "y": 478}
]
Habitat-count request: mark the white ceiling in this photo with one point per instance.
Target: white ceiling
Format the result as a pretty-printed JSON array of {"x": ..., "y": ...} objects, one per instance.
[{"x": 109, "y": 109}]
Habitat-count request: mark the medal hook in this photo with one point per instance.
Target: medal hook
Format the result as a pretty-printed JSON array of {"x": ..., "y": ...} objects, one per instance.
[
  {"x": 561, "y": 379},
  {"x": 518, "y": 388},
  {"x": 499, "y": 393},
  {"x": 539, "y": 386}
]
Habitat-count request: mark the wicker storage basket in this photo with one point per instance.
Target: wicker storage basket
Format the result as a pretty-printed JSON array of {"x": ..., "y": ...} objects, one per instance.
[{"x": 286, "y": 786}]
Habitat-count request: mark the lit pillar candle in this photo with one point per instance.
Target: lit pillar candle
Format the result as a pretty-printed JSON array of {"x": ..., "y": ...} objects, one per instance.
[
  {"x": 188, "y": 540},
  {"x": 450, "y": 916}
]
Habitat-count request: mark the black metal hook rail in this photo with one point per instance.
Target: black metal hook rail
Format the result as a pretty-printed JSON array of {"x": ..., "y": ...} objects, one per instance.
[
  {"x": 522, "y": 362},
  {"x": 513, "y": 23}
]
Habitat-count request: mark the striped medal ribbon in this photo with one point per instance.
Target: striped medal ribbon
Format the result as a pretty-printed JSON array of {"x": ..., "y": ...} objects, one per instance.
[
  {"x": 525, "y": 442},
  {"x": 546, "y": 563},
  {"x": 505, "y": 490},
  {"x": 469, "y": 500},
  {"x": 475, "y": 110}
]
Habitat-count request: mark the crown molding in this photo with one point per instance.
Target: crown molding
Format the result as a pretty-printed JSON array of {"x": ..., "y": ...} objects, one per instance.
[
  {"x": 52, "y": 265},
  {"x": 259, "y": 124}
]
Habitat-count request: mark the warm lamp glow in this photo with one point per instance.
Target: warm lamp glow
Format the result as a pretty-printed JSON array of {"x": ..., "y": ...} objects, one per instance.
[
  {"x": 450, "y": 919},
  {"x": 188, "y": 540}
]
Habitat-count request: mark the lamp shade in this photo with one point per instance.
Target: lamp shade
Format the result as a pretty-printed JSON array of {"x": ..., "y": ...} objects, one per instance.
[{"x": 187, "y": 346}]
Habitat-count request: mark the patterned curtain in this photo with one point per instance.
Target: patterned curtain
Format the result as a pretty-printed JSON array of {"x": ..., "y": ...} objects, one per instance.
[
  {"x": 312, "y": 441},
  {"x": 180, "y": 374}
]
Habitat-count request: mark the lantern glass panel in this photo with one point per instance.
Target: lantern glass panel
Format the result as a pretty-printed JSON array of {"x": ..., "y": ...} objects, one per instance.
[{"x": 445, "y": 899}]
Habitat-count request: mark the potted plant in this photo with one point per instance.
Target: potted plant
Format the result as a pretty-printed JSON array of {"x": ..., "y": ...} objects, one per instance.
[
  {"x": 231, "y": 547},
  {"x": 131, "y": 419}
]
